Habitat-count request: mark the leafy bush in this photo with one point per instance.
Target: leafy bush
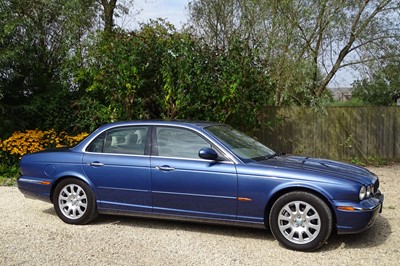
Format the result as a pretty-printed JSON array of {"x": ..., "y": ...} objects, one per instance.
[
  {"x": 158, "y": 72},
  {"x": 8, "y": 175},
  {"x": 382, "y": 88}
]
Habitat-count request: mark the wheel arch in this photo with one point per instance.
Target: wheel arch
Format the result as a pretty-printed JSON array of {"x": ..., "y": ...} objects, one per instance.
[
  {"x": 283, "y": 191},
  {"x": 71, "y": 176}
]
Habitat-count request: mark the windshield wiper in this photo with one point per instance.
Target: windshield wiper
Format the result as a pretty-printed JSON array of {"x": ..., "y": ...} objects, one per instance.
[
  {"x": 268, "y": 157},
  {"x": 264, "y": 158},
  {"x": 273, "y": 155}
]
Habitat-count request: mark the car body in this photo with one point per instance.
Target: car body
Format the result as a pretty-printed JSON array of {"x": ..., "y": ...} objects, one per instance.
[{"x": 204, "y": 172}]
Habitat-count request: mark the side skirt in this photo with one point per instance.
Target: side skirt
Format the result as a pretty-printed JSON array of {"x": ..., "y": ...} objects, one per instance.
[{"x": 183, "y": 218}]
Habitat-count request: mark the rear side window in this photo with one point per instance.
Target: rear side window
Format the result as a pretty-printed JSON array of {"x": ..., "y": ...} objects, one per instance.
[
  {"x": 124, "y": 140},
  {"x": 97, "y": 144}
]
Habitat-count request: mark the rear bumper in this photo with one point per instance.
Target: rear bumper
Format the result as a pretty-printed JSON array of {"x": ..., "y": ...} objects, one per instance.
[
  {"x": 361, "y": 218},
  {"x": 34, "y": 188}
]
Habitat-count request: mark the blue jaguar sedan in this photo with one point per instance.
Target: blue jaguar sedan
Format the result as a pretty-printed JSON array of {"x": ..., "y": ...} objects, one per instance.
[{"x": 202, "y": 172}]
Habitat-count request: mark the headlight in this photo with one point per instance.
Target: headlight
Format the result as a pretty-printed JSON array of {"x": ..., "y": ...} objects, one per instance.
[
  {"x": 363, "y": 192},
  {"x": 368, "y": 191}
]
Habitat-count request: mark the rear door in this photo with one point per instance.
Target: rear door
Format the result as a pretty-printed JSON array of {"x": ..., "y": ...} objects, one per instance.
[{"x": 118, "y": 164}]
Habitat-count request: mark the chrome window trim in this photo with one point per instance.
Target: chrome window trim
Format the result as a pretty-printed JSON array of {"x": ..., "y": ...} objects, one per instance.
[
  {"x": 116, "y": 154},
  {"x": 84, "y": 148},
  {"x": 190, "y": 159},
  {"x": 225, "y": 152}
]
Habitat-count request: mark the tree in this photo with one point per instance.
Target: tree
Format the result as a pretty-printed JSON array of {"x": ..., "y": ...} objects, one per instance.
[
  {"x": 215, "y": 21},
  {"x": 109, "y": 9},
  {"x": 382, "y": 88},
  {"x": 37, "y": 39},
  {"x": 158, "y": 72},
  {"x": 303, "y": 43}
]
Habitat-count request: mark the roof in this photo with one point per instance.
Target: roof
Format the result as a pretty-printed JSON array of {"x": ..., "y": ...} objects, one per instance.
[{"x": 189, "y": 123}]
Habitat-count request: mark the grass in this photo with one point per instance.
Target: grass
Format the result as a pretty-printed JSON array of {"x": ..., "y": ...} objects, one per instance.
[
  {"x": 8, "y": 175},
  {"x": 369, "y": 161}
]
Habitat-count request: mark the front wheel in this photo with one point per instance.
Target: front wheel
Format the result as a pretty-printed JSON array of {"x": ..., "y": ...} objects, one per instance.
[
  {"x": 74, "y": 202},
  {"x": 300, "y": 221}
]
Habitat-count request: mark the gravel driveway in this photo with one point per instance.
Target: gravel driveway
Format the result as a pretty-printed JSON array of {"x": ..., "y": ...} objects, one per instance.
[{"x": 31, "y": 233}]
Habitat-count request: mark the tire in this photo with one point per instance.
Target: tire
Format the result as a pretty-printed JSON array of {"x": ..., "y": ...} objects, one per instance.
[
  {"x": 74, "y": 202},
  {"x": 300, "y": 221}
]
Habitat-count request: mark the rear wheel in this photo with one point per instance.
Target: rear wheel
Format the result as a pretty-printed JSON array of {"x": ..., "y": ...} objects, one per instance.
[
  {"x": 74, "y": 202},
  {"x": 301, "y": 221}
]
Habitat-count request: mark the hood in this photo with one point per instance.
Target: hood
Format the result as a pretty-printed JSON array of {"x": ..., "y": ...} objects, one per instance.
[{"x": 322, "y": 167}]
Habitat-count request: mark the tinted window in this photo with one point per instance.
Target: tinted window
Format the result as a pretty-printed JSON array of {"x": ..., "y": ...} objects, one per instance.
[
  {"x": 124, "y": 140},
  {"x": 181, "y": 143},
  {"x": 97, "y": 144}
]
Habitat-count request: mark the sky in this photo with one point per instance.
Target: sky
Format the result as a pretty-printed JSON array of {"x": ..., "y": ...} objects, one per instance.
[{"x": 175, "y": 11}]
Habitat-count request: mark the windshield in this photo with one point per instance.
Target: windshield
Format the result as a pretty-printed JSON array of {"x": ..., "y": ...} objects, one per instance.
[{"x": 244, "y": 147}]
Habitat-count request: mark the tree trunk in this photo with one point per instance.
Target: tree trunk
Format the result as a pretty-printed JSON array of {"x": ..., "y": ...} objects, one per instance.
[{"x": 108, "y": 6}]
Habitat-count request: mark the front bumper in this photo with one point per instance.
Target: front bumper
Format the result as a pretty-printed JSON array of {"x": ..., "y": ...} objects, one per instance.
[{"x": 362, "y": 217}]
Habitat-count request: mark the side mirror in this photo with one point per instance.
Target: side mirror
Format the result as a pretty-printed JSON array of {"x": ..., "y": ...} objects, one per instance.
[{"x": 208, "y": 154}]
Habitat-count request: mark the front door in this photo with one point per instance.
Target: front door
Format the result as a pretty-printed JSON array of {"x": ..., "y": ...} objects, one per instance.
[{"x": 184, "y": 184}]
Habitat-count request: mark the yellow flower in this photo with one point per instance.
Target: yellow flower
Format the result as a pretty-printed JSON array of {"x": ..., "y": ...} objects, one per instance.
[{"x": 21, "y": 143}]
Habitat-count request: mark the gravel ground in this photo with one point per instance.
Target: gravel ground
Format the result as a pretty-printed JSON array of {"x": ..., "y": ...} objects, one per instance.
[{"x": 31, "y": 233}]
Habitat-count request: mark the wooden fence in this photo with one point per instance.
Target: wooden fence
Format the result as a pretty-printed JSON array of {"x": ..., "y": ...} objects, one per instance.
[{"x": 342, "y": 133}]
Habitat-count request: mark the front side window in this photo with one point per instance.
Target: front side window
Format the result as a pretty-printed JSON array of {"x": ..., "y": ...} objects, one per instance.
[
  {"x": 123, "y": 140},
  {"x": 179, "y": 143},
  {"x": 246, "y": 148}
]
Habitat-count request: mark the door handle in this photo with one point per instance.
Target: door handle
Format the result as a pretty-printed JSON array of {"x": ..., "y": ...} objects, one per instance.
[
  {"x": 96, "y": 164},
  {"x": 165, "y": 168}
]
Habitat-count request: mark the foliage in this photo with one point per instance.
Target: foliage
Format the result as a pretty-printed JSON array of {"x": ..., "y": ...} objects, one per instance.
[
  {"x": 37, "y": 39},
  {"x": 8, "y": 174},
  {"x": 157, "y": 72},
  {"x": 226, "y": 86},
  {"x": 29, "y": 141},
  {"x": 382, "y": 88},
  {"x": 88, "y": 113},
  {"x": 121, "y": 72},
  {"x": 370, "y": 161}
]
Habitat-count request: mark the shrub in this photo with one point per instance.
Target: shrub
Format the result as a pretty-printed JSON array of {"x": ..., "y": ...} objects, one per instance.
[{"x": 8, "y": 175}]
